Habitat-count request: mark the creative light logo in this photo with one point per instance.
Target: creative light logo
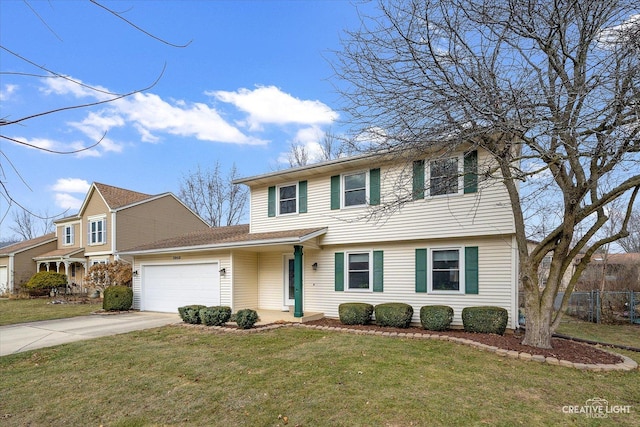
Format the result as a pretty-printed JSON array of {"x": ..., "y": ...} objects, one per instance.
[{"x": 596, "y": 408}]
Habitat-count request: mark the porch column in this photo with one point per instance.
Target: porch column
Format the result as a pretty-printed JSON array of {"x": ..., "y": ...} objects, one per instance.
[{"x": 297, "y": 281}]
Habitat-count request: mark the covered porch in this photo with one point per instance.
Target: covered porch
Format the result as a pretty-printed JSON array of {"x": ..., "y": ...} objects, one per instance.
[{"x": 65, "y": 261}]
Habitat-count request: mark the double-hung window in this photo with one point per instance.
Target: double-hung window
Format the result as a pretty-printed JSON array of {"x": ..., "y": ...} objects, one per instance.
[
  {"x": 287, "y": 199},
  {"x": 68, "y": 235},
  {"x": 359, "y": 271},
  {"x": 97, "y": 231},
  {"x": 355, "y": 189},
  {"x": 444, "y": 176},
  {"x": 445, "y": 273}
]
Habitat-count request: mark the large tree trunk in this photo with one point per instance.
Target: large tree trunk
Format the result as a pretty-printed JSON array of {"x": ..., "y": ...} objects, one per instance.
[{"x": 538, "y": 322}]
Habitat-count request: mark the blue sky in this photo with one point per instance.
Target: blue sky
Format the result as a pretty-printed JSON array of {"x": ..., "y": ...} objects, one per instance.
[{"x": 255, "y": 78}]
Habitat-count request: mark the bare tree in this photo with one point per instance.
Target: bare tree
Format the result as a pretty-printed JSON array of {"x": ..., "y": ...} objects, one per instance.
[
  {"x": 213, "y": 196},
  {"x": 631, "y": 243},
  {"x": 28, "y": 225},
  {"x": 550, "y": 90},
  {"x": 328, "y": 148}
]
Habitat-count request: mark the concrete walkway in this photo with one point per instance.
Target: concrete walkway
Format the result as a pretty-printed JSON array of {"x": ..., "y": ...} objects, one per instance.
[{"x": 49, "y": 333}]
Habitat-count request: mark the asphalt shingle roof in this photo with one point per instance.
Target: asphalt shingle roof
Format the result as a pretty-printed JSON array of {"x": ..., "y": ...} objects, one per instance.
[
  {"x": 116, "y": 197},
  {"x": 26, "y": 244},
  {"x": 219, "y": 236}
]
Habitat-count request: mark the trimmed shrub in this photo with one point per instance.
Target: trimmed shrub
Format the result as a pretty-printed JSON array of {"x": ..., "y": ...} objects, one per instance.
[
  {"x": 394, "y": 314},
  {"x": 355, "y": 313},
  {"x": 436, "y": 317},
  {"x": 191, "y": 313},
  {"x": 246, "y": 318},
  {"x": 485, "y": 319},
  {"x": 117, "y": 298},
  {"x": 45, "y": 281},
  {"x": 215, "y": 316}
]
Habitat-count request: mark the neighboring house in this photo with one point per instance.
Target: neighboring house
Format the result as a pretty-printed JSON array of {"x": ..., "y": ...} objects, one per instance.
[
  {"x": 611, "y": 272},
  {"x": 16, "y": 261},
  {"x": 312, "y": 243},
  {"x": 110, "y": 219}
]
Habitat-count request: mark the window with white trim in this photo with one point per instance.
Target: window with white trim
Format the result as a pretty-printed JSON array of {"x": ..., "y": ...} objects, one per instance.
[
  {"x": 355, "y": 189},
  {"x": 287, "y": 199},
  {"x": 446, "y": 273},
  {"x": 97, "y": 231},
  {"x": 444, "y": 176},
  {"x": 68, "y": 234},
  {"x": 359, "y": 271}
]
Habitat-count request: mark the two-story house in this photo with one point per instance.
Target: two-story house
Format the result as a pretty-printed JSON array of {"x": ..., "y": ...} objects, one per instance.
[
  {"x": 316, "y": 240},
  {"x": 109, "y": 219}
]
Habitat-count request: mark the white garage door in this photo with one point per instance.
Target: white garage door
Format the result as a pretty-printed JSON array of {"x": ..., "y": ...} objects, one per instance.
[
  {"x": 4, "y": 280},
  {"x": 167, "y": 287}
]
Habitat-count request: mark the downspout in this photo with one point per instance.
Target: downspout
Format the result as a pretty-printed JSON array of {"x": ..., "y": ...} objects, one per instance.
[{"x": 297, "y": 281}]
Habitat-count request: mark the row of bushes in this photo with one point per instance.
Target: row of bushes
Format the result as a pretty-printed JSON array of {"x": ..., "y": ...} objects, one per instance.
[
  {"x": 217, "y": 316},
  {"x": 486, "y": 319}
]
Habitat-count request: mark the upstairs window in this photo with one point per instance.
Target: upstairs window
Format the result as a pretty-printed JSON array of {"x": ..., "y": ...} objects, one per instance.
[
  {"x": 287, "y": 199},
  {"x": 355, "y": 189},
  {"x": 68, "y": 235},
  {"x": 97, "y": 231},
  {"x": 444, "y": 175}
]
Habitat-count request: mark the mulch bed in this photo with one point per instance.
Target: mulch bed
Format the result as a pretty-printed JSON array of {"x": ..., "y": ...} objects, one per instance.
[{"x": 562, "y": 349}]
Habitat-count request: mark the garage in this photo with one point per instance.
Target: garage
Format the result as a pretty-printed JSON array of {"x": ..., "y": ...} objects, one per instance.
[
  {"x": 169, "y": 286},
  {"x": 4, "y": 280}
]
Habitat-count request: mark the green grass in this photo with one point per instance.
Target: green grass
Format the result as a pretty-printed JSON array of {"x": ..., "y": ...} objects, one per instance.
[
  {"x": 31, "y": 310},
  {"x": 624, "y": 334},
  {"x": 185, "y": 376}
]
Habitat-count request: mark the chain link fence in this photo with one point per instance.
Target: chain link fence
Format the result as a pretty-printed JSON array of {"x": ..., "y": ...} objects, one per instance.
[{"x": 603, "y": 306}]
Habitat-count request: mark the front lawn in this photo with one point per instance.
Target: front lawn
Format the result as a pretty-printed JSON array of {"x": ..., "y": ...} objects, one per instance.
[
  {"x": 180, "y": 375},
  {"x": 31, "y": 310},
  {"x": 625, "y": 334}
]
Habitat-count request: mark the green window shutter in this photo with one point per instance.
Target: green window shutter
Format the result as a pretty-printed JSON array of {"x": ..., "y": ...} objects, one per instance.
[
  {"x": 421, "y": 270},
  {"x": 471, "y": 172},
  {"x": 302, "y": 197},
  {"x": 471, "y": 269},
  {"x": 374, "y": 187},
  {"x": 335, "y": 192},
  {"x": 339, "y": 271},
  {"x": 272, "y": 201},
  {"x": 378, "y": 270},
  {"x": 418, "y": 179}
]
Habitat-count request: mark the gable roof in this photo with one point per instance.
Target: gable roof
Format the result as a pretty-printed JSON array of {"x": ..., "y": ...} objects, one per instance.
[
  {"x": 335, "y": 166},
  {"x": 227, "y": 237},
  {"x": 116, "y": 197},
  {"x": 27, "y": 244}
]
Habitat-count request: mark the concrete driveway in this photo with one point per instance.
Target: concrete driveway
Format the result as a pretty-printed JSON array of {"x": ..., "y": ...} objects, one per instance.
[{"x": 48, "y": 333}]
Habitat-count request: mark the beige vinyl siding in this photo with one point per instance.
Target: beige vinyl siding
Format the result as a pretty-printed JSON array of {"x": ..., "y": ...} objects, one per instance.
[
  {"x": 496, "y": 280},
  {"x": 154, "y": 220},
  {"x": 77, "y": 237},
  {"x": 478, "y": 214},
  {"x": 271, "y": 284},
  {"x": 96, "y": 208},
  {"x": 245, "y": 279},
  {"x": 222, "y": 257},
  {"x": 23, "y": 266}
]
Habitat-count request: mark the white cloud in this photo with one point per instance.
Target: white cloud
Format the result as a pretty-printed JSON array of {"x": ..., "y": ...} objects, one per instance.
[
  {"x": 71, "y": 185},
  {"x": 67, "y": 201},
  {"x": 270, "y": 105},
  {"x": 65, "y": 187},
  {"x": 6, "y": 91},
  {"x": 75, "y": 87},
  {"x": 150, "y": 114}
]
